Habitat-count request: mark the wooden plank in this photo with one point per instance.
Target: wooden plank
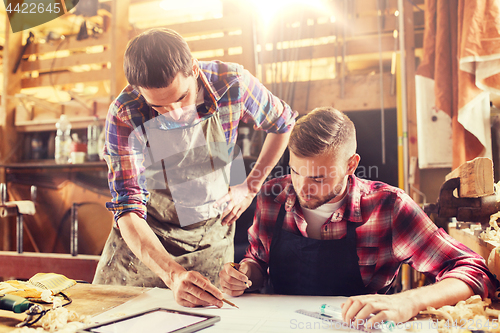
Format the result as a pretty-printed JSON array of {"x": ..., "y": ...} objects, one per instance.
[
  {"x": 49, "y": 124},
  {"x": 66, "y": 78},
  {"x": 226, "y": 58},
  {"x": 224, "y": 42},
  {"x": 476, "y": 178},
  {"x": 69, "y": 43},
  {"x": 359, "y": 27},
  {"x": 354, "y": 47},
  {"x": 361, "y": 93},
  {"x": 205, "y": 27},
  {"x": 25, "y": 265},
  {"x": 64, "y": 62},
  {"x": 119, "y": 29}
]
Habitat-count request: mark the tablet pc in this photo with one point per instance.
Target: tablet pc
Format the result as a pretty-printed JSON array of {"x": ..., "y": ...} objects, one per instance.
[{"x": 158, "y": 320}]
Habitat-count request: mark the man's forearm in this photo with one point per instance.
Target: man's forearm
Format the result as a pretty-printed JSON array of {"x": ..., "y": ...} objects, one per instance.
[
  {"x": 272, "y": 149},
  {"x": 446, "y": 292},
  {"x": 147, "y": 247}
]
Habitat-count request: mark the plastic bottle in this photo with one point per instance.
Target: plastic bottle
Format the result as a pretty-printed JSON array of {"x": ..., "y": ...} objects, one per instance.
[
  {"x": 244, "y": 138},
  {"x": 63, "y": 140},
  {"x": 93, "y": 132},
  {"x": 102, "y": 137}
]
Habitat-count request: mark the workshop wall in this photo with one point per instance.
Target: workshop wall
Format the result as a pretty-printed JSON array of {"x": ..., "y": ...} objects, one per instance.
[{"x": 341, "y": 54}]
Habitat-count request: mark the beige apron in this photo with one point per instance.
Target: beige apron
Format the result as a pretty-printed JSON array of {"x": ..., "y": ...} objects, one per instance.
[{"x": 180, "y": 213}]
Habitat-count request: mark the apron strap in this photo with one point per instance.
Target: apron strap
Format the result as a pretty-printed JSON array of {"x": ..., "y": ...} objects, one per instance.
[{"x": 281, "y": 218}]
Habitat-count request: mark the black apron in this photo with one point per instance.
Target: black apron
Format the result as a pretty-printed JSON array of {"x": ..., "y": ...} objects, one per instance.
[{"x": 305, "y": 266}]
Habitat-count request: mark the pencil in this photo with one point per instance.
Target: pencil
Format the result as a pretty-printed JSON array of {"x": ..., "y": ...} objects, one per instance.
[
  {"x": 233, "y": 265},
  {"x": 232, "y": 304},
  {"x": 224, "y": 300}
]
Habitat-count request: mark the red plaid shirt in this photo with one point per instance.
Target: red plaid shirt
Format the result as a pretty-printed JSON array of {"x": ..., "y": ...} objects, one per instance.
[{"x": 392, "y": 229}]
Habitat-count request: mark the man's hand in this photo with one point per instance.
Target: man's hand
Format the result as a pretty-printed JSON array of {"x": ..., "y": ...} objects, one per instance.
[
  {"x": 192, "y": 289},
  {"x": 403, "y": 306},
  {"x": 233, "y": 279},
  {"x": 397, "y": 308},
  {"x": 238, "y": 199}
]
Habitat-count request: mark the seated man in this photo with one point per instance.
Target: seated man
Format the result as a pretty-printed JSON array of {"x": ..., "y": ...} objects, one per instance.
[{"x": 323, "y": 231}]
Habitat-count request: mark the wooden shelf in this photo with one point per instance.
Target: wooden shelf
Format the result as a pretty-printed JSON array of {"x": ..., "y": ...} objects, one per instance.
[
  {"x": 51, "y": 164},
  {"x": 42, "y": 125}
]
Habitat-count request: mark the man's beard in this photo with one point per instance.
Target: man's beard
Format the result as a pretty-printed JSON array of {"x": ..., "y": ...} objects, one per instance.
[{"x": 316, "y": 201}]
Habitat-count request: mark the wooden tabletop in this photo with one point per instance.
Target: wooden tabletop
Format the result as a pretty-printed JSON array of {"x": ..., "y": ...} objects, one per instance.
[{"x": 88, "y": 299}]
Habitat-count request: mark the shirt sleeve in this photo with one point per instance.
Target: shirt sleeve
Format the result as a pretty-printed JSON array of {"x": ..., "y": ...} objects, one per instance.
[
  {"x": 124, "y": 154},
  {"x": 259, "y": 236},
  {"x": 430, "y": 250},
  {"x": 269, "y": 113}
]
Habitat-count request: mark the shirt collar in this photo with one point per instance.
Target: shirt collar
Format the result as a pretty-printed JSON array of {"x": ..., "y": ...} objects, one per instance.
[
  {"x": 216, "y": 83},
  {"x": 350, "y": 210},
  {"x": 210, "y": 95}
]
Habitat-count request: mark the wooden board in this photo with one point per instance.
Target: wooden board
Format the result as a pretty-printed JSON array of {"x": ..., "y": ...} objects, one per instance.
[
  {"x": 70, "y": 43},
  {"x": 87, "y": 299},
  {"x": 66, "y": 77},
  {"x": 361, "y": 93}
]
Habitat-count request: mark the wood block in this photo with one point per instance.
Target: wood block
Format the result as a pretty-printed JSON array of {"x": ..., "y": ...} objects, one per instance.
[{"x": 476, "y": 178}]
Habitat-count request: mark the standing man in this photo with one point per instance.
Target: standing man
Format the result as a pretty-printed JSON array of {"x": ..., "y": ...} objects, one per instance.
[
  {"x": 323, "y": 231},
  {"x": 169, "y": 143}
]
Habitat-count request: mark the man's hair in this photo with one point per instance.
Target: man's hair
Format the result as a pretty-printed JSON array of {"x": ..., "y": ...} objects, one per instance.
[
  {"x": 154, "y": 58},
  {"x": 324, "y": 130}
]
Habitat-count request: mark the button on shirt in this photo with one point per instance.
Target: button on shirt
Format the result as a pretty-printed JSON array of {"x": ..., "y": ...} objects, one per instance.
[
  {"x": 316, "y": 218},
  {"x": 227, "y": 88},
  {"x": 391, "y": 229}
]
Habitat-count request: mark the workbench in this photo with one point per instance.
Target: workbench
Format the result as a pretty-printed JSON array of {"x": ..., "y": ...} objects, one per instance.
[
  {"x": 489, "y": 250},
  {"x": 257, "y": 313},
  {"x": 87, "y": 299}
]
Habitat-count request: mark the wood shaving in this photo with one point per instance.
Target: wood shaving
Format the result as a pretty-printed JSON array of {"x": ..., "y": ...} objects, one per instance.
[
  {"x": 59, "y": 319},
  {"x": 492, "y": 233},
  {"x": 471, "y": 314}
]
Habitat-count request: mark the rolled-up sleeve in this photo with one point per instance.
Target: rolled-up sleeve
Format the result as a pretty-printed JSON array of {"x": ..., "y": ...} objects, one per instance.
[{"x": 124, "y": 154}]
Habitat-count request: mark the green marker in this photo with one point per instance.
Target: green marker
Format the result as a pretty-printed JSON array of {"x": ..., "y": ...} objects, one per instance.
[{"x": 336, "y": 313}]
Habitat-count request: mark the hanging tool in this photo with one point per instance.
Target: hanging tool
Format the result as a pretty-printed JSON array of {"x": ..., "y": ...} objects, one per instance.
[{"x": 29, "y": 40}]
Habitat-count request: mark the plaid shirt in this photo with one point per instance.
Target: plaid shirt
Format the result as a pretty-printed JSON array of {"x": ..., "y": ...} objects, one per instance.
[
  {"x": 227, "y": 89},
  {"x": 392, "y": 229}
]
